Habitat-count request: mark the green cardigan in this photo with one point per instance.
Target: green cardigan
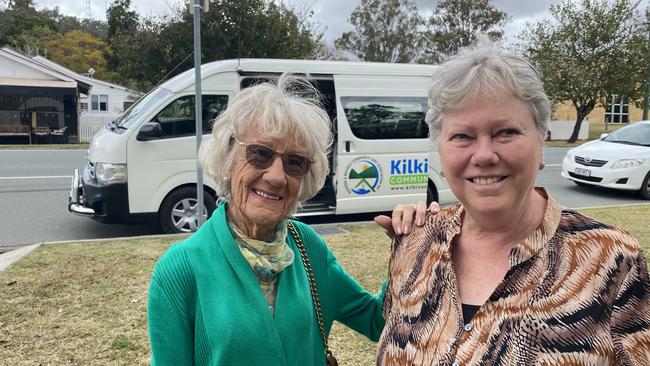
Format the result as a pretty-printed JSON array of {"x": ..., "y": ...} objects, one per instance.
[{"x": 206, "y": 306}]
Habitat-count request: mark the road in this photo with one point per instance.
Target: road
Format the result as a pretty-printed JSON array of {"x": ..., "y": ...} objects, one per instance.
[{"x": 34, "y": 188}]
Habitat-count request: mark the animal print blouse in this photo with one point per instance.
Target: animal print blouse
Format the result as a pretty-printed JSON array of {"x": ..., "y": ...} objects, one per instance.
[{"x": 577, "y": 293}]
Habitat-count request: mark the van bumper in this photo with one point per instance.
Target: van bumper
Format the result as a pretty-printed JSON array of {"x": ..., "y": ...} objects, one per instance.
[
  {"x": 103, "y": 203},
  {"x": 75, "y": 198}
]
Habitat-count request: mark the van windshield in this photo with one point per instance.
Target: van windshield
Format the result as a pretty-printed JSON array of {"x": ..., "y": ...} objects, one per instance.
[{"x": 131, "y": 115}]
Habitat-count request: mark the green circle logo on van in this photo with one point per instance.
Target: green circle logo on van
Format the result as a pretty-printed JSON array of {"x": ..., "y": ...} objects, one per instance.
[{"x": 363, "y": 176}]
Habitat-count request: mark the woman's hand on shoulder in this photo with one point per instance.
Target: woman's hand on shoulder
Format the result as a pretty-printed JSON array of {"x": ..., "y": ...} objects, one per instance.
[{"x": 404, "y": 216}]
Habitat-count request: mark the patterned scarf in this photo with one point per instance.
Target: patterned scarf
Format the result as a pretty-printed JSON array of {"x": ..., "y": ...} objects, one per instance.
[{"x": 266, "y": 258}]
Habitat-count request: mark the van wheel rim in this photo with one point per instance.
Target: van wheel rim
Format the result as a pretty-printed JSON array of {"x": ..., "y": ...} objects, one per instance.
[{"x": 185, "y": 215}]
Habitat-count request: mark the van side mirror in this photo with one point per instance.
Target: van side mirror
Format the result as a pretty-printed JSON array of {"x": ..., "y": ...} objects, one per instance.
[
  {"x": 149, "y": 131},
  {"x": 603, "y": 135}
]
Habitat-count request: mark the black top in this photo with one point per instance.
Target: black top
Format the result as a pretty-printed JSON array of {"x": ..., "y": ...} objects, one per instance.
[{"x": 469, "y": 311}]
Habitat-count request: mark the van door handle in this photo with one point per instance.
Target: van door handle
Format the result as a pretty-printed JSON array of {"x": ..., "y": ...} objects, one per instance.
[{"x": 347, "y": 146}]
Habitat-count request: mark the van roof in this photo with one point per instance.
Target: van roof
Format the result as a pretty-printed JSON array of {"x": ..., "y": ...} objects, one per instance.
[{"x": 314, "y": 67}]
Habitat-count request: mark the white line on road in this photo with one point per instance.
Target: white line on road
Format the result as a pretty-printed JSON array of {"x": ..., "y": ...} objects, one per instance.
[
  {"x": 549, "y": 165},
  {"x": 38, "y": 177}
]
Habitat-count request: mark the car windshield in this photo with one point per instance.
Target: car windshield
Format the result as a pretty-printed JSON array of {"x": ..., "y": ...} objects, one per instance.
[
  {"x": 635, "y": 134},
  {"x": 131, "y": 115}
]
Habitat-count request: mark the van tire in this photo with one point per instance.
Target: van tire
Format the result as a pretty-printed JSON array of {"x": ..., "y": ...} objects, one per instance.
[{"x": 178, "y": 211}]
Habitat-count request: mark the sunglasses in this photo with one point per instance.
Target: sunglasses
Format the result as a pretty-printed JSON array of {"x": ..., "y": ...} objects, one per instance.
[{"x": 262, "y": 157}]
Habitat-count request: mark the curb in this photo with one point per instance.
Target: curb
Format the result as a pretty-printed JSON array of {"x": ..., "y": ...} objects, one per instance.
[
  {"x": 14, "y": 255},
  {"x": 6, "y": 259}
]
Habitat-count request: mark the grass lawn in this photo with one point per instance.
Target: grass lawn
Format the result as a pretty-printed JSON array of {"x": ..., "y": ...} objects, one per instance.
[{"x": 85, "y": 303}]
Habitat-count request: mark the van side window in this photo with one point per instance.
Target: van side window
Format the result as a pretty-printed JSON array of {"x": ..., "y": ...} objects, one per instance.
[
  {"x": 177, "y": 118},
  {"x": 325, "y": 88},
  {"x": 376, "y": 118}
]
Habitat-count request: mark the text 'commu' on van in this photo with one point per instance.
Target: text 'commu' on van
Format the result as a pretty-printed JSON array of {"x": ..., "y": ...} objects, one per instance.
[{"x": 142, "y": 167}]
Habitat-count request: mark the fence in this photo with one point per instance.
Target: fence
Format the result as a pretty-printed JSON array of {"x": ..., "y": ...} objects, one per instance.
[{"x": 89, "y": 125}]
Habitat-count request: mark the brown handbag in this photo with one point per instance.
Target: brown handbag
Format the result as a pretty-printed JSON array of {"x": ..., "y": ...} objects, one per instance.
[{"x": 329, "y": 357}]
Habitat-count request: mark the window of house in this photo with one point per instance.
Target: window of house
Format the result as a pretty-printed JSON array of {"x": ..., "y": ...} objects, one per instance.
[
  {"x": 83, "y": 106},
  {"x": 126, "y": 105},
  {"x": 616, "y": 110},
  {"x": 177, "y": 118},
  {"x": 386, "y": 117},
  {"x": 99, "y": 102}
]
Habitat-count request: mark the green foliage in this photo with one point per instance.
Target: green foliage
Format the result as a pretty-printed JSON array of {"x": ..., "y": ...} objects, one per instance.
[
  {"x": 31, "y": 42},
  {"x": 21, "y": 16},
  {"x": 385, "y": 31},
  {"x": 231, "y": 29},
  {"x": 67, "y": 23},
  {"x": 120, "y": 19},
  {"x": 79, "y": 51},
  {"x": 591, "y": 49},
  {"x": 456, "y": 23}
]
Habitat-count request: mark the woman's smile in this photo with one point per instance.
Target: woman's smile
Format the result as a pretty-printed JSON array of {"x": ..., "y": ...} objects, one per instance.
[
  {"x": 266, "y": 196},
  {"x": 487, "y": 181}
]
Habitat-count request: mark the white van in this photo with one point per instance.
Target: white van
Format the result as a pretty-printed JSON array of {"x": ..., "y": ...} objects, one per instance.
[{"x": 142, "y": 167}]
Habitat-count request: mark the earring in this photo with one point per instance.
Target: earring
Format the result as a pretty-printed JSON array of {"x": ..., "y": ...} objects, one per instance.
[{"x": 541, "y": 165}]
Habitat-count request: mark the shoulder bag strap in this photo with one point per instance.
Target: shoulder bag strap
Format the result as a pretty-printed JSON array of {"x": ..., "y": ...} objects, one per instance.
[{"x": 312, "y": 286}]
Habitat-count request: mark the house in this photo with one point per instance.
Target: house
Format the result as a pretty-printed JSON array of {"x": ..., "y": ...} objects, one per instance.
[
  {"x": 37, "y": 101},
  {"x": 616, "y": 111},
  {"x": 105, "y": 102}
]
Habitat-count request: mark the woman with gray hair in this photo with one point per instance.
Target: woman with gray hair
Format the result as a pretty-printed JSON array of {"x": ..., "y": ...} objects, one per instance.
[
  {"x": 508, "y": 276},
  {"x": 237, "y": 291}
]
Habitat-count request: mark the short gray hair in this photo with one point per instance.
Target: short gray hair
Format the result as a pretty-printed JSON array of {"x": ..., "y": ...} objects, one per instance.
[
  {"x": 483, "y": 70},
  {"x": 288, "y": 109}
]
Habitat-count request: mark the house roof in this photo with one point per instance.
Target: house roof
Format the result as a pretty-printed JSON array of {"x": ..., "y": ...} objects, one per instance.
[
  {"x": 38, "y": 83},
  {"x": 49, "y": 63},
  {"x": 50, "y": 78}
]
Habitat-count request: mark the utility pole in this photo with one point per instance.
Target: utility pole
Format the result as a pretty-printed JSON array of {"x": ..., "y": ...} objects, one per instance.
[
  {"x": 198, "y": 104},
  {"x": 646, "y": 95}
]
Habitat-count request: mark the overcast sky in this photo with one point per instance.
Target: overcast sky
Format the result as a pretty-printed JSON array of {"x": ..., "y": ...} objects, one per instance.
[{"x": 331, "y": 15}]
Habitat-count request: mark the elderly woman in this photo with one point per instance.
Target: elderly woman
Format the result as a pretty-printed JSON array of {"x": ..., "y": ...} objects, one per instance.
[
  {"x": 508, "y": 276},
  {"x": 237, "y": 291}
]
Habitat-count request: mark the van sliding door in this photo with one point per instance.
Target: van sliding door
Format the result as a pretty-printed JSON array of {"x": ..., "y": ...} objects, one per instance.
[{"x": 383, "y": 151}]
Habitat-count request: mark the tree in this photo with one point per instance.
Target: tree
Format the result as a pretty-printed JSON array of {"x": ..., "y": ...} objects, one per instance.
[
  {"x": 79, "y": 51},
  {"x": 590, "y": 50},
  {"x": 21, "y": 16},
  {"x": 120, "y": 19},
  {"x": 385, "y": 31},
  {"x": 121, "y": 38},
  {"x": 66, "y": 23},
  {"x": 230, "y": 29},
  {"x": 31, "y": 41},
  {"x": 456, "y": 23}
]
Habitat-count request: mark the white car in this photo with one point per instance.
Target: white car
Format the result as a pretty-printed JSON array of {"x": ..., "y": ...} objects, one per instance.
[{"x": 620, "y": 160}]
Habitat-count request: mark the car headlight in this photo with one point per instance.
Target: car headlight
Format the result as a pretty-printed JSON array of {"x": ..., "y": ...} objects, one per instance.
[
  {"x": 107, "y": 173},
  {"x": 627, "y": 163}
]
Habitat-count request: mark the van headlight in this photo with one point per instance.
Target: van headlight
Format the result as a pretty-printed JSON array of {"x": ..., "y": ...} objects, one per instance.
[
  {"x": 107, "y": 173},
  {"x": 627, "y": 163}
]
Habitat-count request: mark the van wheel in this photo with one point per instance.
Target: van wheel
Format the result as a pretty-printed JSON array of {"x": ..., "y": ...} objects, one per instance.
[
  {"x": 179, "y": 211},
  {"x": 644, "y": 192}
]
